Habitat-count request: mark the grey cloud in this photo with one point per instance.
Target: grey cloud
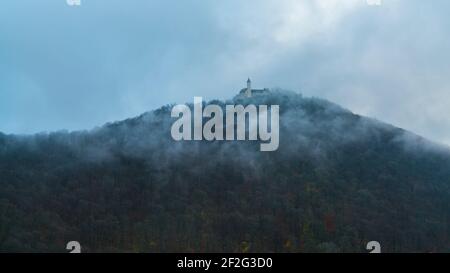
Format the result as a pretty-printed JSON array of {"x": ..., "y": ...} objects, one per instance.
[{"x": 76, "y": 69}]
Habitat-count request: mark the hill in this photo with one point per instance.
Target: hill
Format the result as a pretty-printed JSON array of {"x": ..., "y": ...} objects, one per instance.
[{"x": 337, "y": 181}]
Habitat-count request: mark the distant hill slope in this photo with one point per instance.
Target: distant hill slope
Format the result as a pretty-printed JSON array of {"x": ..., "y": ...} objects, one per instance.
[{"x": 337, "y": 181}]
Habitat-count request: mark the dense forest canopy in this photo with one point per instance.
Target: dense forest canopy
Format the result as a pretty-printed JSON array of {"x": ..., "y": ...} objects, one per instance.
[{"x": 337, "y": 181}]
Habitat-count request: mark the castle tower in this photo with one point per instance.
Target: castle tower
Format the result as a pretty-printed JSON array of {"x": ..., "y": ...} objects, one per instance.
[{"x": 248, "y": 92}]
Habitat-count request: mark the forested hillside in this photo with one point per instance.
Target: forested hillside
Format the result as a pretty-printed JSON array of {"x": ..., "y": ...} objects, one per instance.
[{"x": 337, "y": 181}]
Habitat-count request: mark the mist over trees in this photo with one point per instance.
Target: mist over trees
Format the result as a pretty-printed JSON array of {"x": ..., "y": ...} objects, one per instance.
[{"x": 336, "y": 182}]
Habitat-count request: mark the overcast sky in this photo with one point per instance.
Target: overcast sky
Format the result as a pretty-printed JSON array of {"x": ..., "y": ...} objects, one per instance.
[{"x": 76, "y": 67}]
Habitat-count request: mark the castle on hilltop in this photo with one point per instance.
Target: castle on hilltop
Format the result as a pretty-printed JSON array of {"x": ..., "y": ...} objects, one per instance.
[{"x": 249, "y": 92}]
